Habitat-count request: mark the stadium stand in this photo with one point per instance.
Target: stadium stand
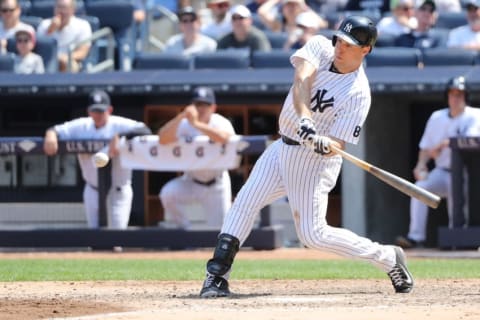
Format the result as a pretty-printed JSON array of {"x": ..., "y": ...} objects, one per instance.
[
  {"x": 271, "y": 59},
  {"x": 222, "y": 59},
  {"x": 449, "y": 56},
  {"x": 394, "y": 56},
  {"x": 450, "y": 20},
  {"x": 7, "y": 62},
  {"x": 277, "y": 39},
  {"x": 31, "y": 20},
  {"x": 161, "y": 61}
]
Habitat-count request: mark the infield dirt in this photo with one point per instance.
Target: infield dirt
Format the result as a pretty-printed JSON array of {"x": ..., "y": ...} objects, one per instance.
[{"x": 252, "y": 299}]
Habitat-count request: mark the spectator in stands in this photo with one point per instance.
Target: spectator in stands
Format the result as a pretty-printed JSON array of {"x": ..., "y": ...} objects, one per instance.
[
  {"x": 401, "y": 21},
  {"x": 421, "y": 37},
  {"x": 209, "y": 188},
  {"x": 26, "y": 61},
  {"x": 244, "y": 34},
  {"x": 280, "y": 15},
  {"x": 306, "y": 28},
  {"x": 458, "y": 119},
  {"x": 221, "y": 19},
  {"x": 100, "y": 124},
  {"x": 190, "y": 41},
  {"x": 326, "y": 7},
  {"x": 467, "y": 36},
  {"x": 253, "y": 5},
  {"x": 10, "y": 12},
  {"x": 67, "y": 29}
]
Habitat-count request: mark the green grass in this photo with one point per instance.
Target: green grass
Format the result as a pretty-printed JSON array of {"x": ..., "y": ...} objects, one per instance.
[{"x": 134, "y": 269}]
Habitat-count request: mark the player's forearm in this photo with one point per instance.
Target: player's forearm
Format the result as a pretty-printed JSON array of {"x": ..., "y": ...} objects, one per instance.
[
  {"x": 168, "y": 133},
  {"x": 50, "y": 142},
  {"x": 301, "y": 89},
  {"x": 423, "y": 158},
  {"x": 214, "y": 134}
]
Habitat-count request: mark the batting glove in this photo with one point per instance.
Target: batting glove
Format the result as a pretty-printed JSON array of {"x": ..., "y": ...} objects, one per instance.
[
  {"x": 321, "y": 144},
  {"x": 306, "y": 131}
]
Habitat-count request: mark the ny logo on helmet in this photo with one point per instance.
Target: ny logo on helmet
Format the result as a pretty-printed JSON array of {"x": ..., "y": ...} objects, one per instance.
[{"x": 348, "y": 27}]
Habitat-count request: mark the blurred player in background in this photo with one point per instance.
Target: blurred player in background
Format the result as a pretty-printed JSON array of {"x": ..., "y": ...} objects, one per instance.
[
  {"x": 458, "y": 119},
  {"x": 209, "y": 188},
  {"x": 100, "y": 124}
]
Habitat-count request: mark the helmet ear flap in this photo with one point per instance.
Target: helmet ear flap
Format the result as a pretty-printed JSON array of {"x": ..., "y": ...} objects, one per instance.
[{"x": 334, "y": 40}]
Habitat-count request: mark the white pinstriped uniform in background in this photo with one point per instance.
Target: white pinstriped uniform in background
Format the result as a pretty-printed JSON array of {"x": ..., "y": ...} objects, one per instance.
[{"x": 339, "y": 104}]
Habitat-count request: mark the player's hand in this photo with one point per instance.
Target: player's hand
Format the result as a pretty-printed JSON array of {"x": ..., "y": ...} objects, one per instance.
[
  {"x": 321, "y": 144},
  {"x": 191, "y": 113},
  {"x": 306, "y": 131}
]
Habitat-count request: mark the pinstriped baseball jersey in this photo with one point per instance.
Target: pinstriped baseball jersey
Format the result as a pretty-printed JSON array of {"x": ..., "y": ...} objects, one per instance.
[{"x": 339, "y": 102}]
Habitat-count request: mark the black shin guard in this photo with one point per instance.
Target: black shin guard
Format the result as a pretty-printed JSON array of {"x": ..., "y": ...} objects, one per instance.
[{"x": 225, "y": 251}]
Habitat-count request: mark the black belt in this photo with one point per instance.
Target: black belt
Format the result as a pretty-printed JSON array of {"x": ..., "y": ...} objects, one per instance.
[
  {"x": 205, "y": 183},
  {"x": 289, "y": 141},
  {"x": 445, "y": 169}
]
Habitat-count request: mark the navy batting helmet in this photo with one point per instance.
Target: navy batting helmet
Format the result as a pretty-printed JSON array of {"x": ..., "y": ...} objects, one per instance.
[
  {"x": 457, "y": 83},
  {"x": 357, "y": 30}
]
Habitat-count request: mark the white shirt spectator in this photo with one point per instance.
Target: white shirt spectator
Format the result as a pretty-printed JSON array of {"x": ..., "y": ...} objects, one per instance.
[
  {"x": 388, "y": 25},
  {"x": 463, "y": 36},
  {"x": 203, "y": 44},
  {"x": 77, "y": 30},
  {"x": 9, "y": 33},
  {"x": 217, "y": 30},
  {"x": 31, "y": 63}
]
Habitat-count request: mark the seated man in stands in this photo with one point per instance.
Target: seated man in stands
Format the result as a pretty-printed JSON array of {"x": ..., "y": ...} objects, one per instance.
[
  {"x": 10, "y": 13},
  {"x": 67, "y": 29},
  {"x": 421, "y": 37},
  {"x": 307, "y": 28},
  {"x": 401, "y": 21},
  {"x": 220, "y": 23},
  {"x": 189, "y": 41},
  {"x": 467, "y": 36},
  {"x": 244, "y": 34}
]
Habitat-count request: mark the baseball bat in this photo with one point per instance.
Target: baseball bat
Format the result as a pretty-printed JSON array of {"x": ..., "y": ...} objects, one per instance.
[{"x": 430, "y": 199}]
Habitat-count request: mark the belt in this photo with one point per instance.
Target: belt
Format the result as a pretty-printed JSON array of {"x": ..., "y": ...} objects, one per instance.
[
  {"x": 205, "y": 183},
  {"x": 289, "y": 141},
  {"x": 445, "y": 169}
]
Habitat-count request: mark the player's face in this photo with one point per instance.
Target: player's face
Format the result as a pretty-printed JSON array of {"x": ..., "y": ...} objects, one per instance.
[
  {"x": 100, "y": 118},
  {"x": 348, "y": 57},
  {"x": 456, "y": 99},
  {"x": 205, "y": 110}
]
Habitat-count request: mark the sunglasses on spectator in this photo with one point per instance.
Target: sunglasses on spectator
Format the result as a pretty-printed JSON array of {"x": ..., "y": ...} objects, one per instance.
[
  {"x": 235, "y": 17},
  {"x": 187, "y": 20},
  {"x": 5, "y": 10},
  {"x": 23, "y": 39},
  {"x": 471, "y": 8}
]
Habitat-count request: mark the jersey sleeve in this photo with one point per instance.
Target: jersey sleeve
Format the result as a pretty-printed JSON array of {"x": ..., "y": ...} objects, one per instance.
[
  {"x": 429, "y": 133},
  {"x": 316, "y": 50},
  {"x": 71, "y": 129}
]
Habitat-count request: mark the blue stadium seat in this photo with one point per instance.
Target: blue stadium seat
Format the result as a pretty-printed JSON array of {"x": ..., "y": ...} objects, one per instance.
[
  {"x": 25, "y": 6},
  {"x": 161, "y": 61},
  {"x": 93, "y": 56},
  {"x": 117, "y": 15},
  {"x": 393, "y": 56},
  {"x": 31, "y": 20},
  {"x": 46, "y": 47},
  {"x": 277, "y": 39},
  {"x": 271, "y": 59},
  {"x": 385, "y": 40},
  {"x": 222, "y": 59},
  {"x": 450, "y": 20},
  {"x": 449, "y": 57},
  {"x": 7, "y": 62}
]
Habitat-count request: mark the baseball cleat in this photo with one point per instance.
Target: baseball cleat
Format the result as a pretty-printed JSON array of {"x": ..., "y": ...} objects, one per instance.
[
  {"x": 401, "y": 278},
  {"x": 214, "y": 287}
]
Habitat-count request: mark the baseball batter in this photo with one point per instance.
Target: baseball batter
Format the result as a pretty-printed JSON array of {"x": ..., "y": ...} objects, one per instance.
[
  {"x": 458, "y": 119},
  {"x": 209, "y": 188},
  {"x": 100, "y": 124},
  {"x": 327, "y": 104}
]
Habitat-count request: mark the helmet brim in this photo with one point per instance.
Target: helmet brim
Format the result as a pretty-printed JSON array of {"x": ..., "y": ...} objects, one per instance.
[{"x": 347, "y": 38}]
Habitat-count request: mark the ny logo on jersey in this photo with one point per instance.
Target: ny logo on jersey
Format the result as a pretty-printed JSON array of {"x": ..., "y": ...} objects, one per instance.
[
  {"x": 348, "y": 27},
  {"x": 321, "y": 103}
]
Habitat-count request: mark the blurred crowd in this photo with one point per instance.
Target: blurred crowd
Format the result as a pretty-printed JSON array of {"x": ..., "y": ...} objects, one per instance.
[{"x": 192, "y": 27}]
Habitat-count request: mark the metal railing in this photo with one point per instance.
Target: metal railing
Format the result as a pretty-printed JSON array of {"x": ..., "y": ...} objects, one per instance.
[{"x": 108, "y": 63}]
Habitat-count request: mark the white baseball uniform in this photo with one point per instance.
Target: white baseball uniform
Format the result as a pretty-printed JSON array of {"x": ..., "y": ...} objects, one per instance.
[
  {"x": 120, "y": 195},
  {"x": 440, "y": 126},
  {"x": 339, "y": 105},
  {"x": 211, "y": 189}
]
